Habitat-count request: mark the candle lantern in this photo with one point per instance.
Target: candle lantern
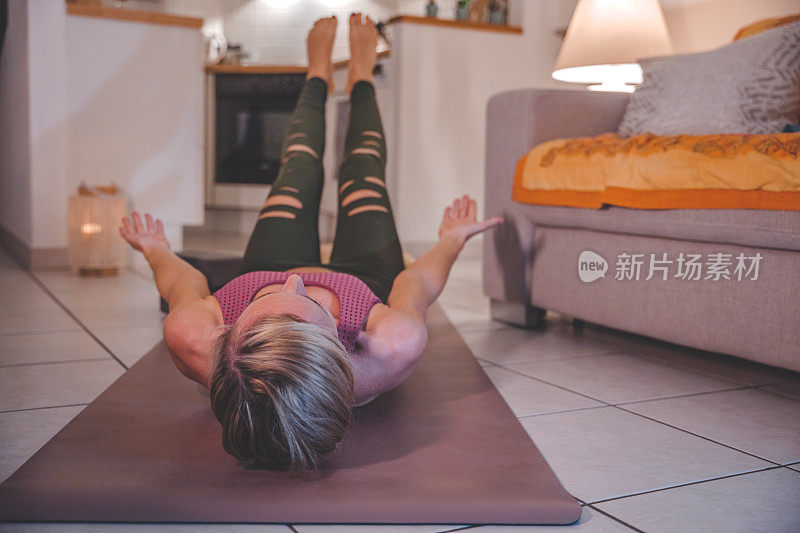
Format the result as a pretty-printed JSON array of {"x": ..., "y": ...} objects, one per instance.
[{"x": 95, "y": 245}]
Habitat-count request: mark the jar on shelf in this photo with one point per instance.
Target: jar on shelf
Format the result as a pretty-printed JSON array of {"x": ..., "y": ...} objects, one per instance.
[
  {"x": 462, "y": 10},
  {"x": 431, "y": 9}
]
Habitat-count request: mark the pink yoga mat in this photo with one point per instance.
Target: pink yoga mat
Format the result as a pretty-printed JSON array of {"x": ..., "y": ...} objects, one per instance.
[{"x": 441, "y": 448}]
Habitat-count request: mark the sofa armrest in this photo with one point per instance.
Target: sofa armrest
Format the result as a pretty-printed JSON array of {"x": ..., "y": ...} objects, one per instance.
[{"x": 517, "y": 121}]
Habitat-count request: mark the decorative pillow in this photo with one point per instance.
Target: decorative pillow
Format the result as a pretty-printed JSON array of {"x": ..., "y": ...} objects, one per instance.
[{"x": 750, "y": 86}]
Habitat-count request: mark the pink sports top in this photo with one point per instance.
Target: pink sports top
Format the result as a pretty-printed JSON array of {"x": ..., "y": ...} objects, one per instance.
[{"x": 355, "y": 298}]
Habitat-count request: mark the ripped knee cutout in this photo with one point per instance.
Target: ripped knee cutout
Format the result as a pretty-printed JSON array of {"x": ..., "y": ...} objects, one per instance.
[
  {"x": 283, "y": 199},
  {"x": 367, "y": 151},
  {"x": 373, "y": 133},
  {"x": 302, "y": 148},
  {"x": 371, "y": 142},
  {"x": 295, "y": 135},
  {"x": 277, "y": 214},
  {"x": 358, "y": 195},
  {"x": 365, "y": 208},
  {"x": 376, "y": 181},
  {"x": 345, "y": 185},
  {"x": 290, "y": 189}
]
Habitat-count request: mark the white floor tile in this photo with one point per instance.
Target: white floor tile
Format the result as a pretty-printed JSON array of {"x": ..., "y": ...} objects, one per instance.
[
  {"x": 605, "y": 452},
  {"x": 762, "y": 501},
  {"x": 27, "y": 348},
  {"x": 591, "y": 522},
  {"x": 125, "y": 288},
  {"x": 468, "y": 320},
  {"x": 22, "y": 433},
  {"x": 620, "y": 378},
  {"x": 727, "y": 367},
  {"x": 27, "y": 387},
  {"x": 464, "y": 294},
  {"x": 713, "y": 364},
  {"x": 130, "y": 343},
  {"x": 118, "y": 315},
  {"x": 469, "y": 270},
  {"x": 757, "y": 422},
  {"x": 16, "y": 281},
  {"x": 514, "y": 345},
  {"x": 526, "y": 396},
  {"x": 794, "y": 466},
  {"x": 37, "y": 314}
]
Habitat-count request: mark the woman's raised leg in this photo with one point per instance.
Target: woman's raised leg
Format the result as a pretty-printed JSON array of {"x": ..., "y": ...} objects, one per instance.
[
  {"x": 286, "y": 233},
  {"x": 366, "y": 241}
]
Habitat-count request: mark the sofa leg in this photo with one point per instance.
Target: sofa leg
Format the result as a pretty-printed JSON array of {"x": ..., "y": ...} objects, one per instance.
[{"x": 516, "y": 313}]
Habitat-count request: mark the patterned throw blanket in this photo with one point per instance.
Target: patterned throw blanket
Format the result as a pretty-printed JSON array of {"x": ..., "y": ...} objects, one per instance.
[{"x": 730, "y": 171}]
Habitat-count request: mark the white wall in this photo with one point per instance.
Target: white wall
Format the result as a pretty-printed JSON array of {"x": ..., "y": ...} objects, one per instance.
[
  {"x": 134, "y": 96},
  {"x": 697, "y": 25},
  {"x": 48, "y": 121},
  {"x": 15, "y": 186},
  {"x": 95, "y": 100},
  {"x": 443, "y": 79}
]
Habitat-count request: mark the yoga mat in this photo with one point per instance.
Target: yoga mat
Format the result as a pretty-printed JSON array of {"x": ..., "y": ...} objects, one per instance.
[{"x": 441, "y": 448}]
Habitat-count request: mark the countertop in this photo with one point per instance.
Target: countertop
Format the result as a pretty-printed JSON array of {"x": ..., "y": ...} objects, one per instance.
[
  {"x": 97, "y": 10},
  {"x": 272, "y": 69}
]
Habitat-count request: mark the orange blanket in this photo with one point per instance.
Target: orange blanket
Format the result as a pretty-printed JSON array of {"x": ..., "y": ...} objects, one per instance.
[{"x": 727, "y": 171}]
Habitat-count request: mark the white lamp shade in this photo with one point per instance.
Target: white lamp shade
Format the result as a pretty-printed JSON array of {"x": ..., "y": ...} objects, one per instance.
[{"x": 606, "y": 37}]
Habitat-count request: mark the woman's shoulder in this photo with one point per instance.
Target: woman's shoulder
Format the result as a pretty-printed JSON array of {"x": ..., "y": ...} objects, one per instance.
[
  {"x": 394, "y": 334},
  {"x": 190, "y": 332}
]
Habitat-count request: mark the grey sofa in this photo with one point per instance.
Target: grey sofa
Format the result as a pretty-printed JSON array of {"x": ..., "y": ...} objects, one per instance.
[{"x": 531, "y": 262}]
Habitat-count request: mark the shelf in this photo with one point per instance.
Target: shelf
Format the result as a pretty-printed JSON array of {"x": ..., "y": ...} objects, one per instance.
[
  {"x": 129, "y": 15},
  {"x": 459, "y": 24}
]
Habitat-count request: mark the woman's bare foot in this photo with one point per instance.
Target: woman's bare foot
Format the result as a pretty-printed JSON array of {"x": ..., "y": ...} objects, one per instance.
[
  {"x": 363, "y": 50},
  {"x": 319, "y": 45}
]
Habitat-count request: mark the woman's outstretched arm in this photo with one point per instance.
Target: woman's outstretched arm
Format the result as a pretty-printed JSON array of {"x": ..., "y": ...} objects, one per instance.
[
  {"x": 176, "y": 280},
  {"x": 190, "y": 326},
  {"x": 418, "y": 286},
  {"x": 399, "y": 333}
]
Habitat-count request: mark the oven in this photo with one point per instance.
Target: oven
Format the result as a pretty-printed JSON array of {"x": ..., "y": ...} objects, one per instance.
[{"x": 248, "y": 119}]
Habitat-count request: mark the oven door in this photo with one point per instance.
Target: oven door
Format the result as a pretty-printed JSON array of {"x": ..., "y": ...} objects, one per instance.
[{"x": 248, "y": 120}]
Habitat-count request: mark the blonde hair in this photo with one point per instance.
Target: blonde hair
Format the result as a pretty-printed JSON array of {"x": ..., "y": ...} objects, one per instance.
[{"x": 283, "y": 392}]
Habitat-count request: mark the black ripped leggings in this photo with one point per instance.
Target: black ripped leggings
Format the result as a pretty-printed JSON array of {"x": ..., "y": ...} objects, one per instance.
[{"x": 286, "y": 234}]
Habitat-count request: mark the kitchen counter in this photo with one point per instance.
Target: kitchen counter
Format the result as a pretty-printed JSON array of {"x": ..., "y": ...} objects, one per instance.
[
  {"x": 85, "y": 9},
  {"x": 213, "y": 68}
]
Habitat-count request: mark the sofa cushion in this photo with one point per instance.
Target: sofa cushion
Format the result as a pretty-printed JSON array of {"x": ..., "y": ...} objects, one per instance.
[
  {"x": 746, "y": 227},
  {"x": 723, "y": 171},
  {"x": 750, "y": 86},
  {"x": 763, "y": 25}
]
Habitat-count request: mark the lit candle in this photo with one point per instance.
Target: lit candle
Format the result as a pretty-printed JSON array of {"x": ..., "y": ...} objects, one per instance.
[{"x": 91, "y": 227}]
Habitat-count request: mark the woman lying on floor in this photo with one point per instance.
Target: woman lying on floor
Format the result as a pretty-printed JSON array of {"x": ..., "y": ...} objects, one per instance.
[{"x": 290, "y": 346}]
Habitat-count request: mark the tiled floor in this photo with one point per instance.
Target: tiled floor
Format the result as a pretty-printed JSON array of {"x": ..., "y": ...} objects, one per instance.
[{"x": 647, "y": 435}]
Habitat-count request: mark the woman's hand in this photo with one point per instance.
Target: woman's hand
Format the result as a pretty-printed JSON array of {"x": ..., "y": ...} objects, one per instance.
[
  {"x": 144, "y": 237},
  {"x": 459, "y": 220}
]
